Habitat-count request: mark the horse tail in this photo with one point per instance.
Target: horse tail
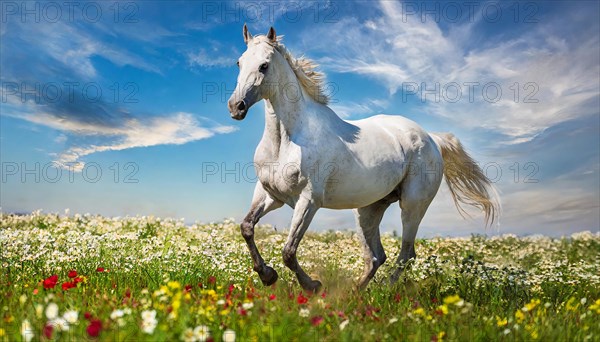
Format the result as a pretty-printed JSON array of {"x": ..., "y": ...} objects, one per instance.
[{"x": 467, "y": 182}]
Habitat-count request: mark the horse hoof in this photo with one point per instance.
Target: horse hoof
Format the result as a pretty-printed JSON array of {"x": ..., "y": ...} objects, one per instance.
[
  {"x": 314, "y": 286},
  {"x": 269, "y": 277}
]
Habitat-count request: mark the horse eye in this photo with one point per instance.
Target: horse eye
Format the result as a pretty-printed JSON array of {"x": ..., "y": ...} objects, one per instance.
[
  {"x": 263, "y": 67},
  {"x": 238, "y": 63}
]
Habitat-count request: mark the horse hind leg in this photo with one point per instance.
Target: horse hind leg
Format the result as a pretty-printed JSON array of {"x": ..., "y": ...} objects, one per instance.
[
  {"x": 416, "y": 195},
  {"x": 368, "y": 219}
]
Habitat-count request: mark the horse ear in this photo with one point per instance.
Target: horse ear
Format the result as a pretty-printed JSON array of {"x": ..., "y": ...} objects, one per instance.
[
  {"x": 272, "y": 36},
  {"x": 247, "y": 34}
]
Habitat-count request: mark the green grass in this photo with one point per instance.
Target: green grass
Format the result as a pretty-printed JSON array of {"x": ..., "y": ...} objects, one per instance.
[{"x": 501, "y": 288}]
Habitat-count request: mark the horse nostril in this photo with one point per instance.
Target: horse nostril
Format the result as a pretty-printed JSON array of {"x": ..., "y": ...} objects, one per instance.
[{"x": 241, "y": 105}]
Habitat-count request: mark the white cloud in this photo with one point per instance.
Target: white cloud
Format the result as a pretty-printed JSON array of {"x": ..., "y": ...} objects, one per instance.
[
  {"x": 393, "y": 51},
  {"x": 175, "y": 129}
]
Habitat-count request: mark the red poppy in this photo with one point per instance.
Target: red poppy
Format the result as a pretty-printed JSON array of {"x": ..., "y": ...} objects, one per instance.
[
  {"x": 212, "y": 279},
  {"x": 68, "y": 285},
  {"x": 100, "y": 269},
  {"x": 188, "y": 288},
  {"x": 87, "y": 316},
  {"x": 77, "y": 280},
  {"x": 324, "y": 294},
  {"x": 242, "y": 312},
  {"x": 272, "y": 297},
  {"x": 72, "y": 274},
  {"x": 48, "y": 331},
  {"x": 50, "y": 282},
  {"x": 301, "y": 299},
  {"x": 315, "y": 321},
  {"x": 94, "y": 328}
]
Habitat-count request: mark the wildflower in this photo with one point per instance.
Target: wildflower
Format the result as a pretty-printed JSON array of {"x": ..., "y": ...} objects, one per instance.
[
  {"x": 317, "y": 320},
  {"x": 202, "y": 333},
  {"x": 2, "y": 332},
  {"x": 39, "y": 309},
  {"x": 506, "y": 331},
  {"x": 100, "y": 269},
  {"x": 393, "y": 320},
  {"x": 22, "y": 299},
  {"x": 229, "y": 336},
  {"x": 596, "y": 306},
  {"x": 188, "y": 335},
  {"x": 72, "y": 274},
  {"x": 61, "y": 324},
  {"x": 149, "y": 321},
  {"x": 52, "y": 311},
  {"x": 50, "y": 282},
  {"x": 442, "y": 310},
  {"x": 27, "y": 331},
  {"x": 452, "y": 299},
  {"x": 272, "y": 297},
  {"x": 570, "y": 306},
  {"x": 68, "y": 285},
  {"x": 501, "y": 322},
  {"x": 94, "y": 328},
  {"x": 247, "y": 306},
  {"x": 344, "y": 324},
  {"x": 419, "y": 311},
  {"x": 71, "y": 316},
  {"x": 304, "y": 312},
  {"x": 47, "y": 331},
  {"x": 116, "y": 314},
  {"x": 174, "y": 285},
  {"x": 531, "y": 305},
  {"x": 519, "y": 316},
  {"x": 301, "y": 299}
]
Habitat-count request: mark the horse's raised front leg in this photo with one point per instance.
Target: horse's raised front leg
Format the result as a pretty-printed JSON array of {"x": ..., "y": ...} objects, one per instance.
[
  {"x": 304, "y": 211},
  {"x": 262, "y": 203},
  {"x": 368, "y": 219}
]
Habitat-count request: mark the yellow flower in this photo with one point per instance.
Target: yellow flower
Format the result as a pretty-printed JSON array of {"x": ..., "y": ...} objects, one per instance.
[
  {"x": 501, "y": 321},
  {"x": 595, "y": 306},
  {"x": 443, "y": 309},
  {"x": 570, "y": 306},
  {"x": 419, "y": 311},
  {"x": 174, "y": 285},
  {"x": 531, "y": 305},
  {"x": 441, "y": 335},
  {"x": 2, "y": 332},
  {"x": 519, "y": 316},
  {"x": 452, "y": 299}
]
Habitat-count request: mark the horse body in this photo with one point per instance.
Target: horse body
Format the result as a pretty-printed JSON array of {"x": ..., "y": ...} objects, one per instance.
[{"x": 309, "y": 158}]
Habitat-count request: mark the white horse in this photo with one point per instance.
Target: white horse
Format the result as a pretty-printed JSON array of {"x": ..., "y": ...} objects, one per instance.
[{"x": 309, "y": 158}]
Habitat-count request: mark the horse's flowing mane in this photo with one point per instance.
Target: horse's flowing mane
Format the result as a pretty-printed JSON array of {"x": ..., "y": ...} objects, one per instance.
[{"x": 306, "y": 72}]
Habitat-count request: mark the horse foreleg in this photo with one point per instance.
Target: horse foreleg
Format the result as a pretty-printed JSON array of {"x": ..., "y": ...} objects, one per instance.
[
  {"x": 262, "y": 203},
  {"x": 304, "y": 212}
]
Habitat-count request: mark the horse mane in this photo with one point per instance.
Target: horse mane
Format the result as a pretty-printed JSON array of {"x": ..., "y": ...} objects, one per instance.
[{"x": 306, "y": 72}]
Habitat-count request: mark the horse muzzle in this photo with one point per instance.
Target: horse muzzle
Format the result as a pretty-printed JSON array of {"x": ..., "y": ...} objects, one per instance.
[{"x": 238, "y": 109}]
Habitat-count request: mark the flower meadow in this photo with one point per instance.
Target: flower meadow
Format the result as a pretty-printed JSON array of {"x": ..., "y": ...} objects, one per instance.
[{"x": 87, "y": 277}]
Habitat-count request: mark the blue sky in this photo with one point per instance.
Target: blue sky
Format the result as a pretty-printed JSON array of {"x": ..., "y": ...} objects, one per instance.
[{"x": 133, "y": 96}]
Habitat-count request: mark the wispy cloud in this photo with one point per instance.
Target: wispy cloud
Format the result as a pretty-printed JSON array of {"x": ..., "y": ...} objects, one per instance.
[
  {"x": 100, "y": 135},
  {"x": 547, "y": 65}
]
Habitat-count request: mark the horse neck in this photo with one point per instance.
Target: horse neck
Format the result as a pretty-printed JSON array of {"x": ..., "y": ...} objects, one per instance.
[{"x": 285, "y": 117}]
